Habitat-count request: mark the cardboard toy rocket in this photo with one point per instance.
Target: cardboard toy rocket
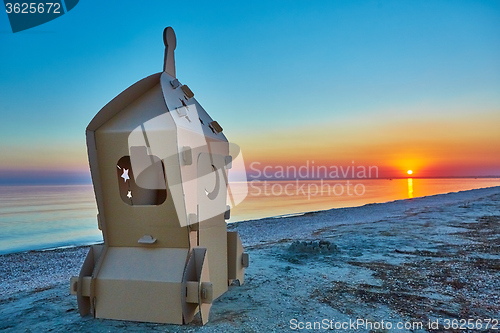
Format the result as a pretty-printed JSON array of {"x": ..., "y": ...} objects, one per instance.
[{"x": 159, "y": 166}]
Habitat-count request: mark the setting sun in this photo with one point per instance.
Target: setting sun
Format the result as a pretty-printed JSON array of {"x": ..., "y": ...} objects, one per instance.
[{"x": 409, "y": 172}]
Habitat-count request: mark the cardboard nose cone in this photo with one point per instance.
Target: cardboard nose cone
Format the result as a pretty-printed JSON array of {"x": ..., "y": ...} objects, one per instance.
[
  {"x": 167, "y": 253},
  {"x": 170, "y": 44}
]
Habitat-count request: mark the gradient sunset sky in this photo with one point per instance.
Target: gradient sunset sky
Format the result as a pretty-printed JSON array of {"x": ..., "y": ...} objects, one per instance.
[{"x": 395, "y": 84}]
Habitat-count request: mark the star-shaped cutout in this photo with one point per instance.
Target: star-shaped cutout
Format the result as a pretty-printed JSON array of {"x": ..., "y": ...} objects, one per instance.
[
  {"x": 129, "y": 194},
  {"x": 125, "y": 175}
]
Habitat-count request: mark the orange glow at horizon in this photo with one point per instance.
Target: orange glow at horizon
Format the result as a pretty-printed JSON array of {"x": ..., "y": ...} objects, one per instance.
[{"x": 467, "y": 146}]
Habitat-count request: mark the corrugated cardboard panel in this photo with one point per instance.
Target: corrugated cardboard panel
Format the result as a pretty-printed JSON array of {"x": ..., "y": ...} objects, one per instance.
[
  {"x": 135, "y": 300},
  {"x": 135, "y": 263},
  {"x": 141, "y": 284},
  {"x": 214, "y": 238},
  {"x": 126, "y": 224}
]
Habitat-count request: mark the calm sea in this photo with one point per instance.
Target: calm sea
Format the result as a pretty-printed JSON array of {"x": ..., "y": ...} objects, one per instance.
[{"x": 38, "y": 217}]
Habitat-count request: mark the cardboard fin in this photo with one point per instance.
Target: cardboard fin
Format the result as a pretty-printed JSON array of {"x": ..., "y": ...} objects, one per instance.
[
  {"x": 237, "y": 259},
  {"x": 206, "y": 291},
  {"x": 196, "y": 288},
  {"x": 86, "y": 271}
]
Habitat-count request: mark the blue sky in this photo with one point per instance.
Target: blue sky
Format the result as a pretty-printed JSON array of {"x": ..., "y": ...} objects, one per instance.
[{"x": 265, "y": 70}]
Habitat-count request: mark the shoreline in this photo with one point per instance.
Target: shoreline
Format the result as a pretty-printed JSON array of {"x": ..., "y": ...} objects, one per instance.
[
  {"x": 291, "y": 215},
  {"x": 269, "y": 218}
]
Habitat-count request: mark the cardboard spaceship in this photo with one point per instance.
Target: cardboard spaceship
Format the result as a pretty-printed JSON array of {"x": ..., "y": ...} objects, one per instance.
[{"x": 159, "y": 165}]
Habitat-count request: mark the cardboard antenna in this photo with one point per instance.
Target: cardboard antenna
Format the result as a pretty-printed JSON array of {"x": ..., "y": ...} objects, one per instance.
[{"x": 170, "y": 44}]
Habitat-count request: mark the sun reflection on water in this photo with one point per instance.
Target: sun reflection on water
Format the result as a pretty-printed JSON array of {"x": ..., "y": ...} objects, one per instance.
[{"x": 410, "y": 188}]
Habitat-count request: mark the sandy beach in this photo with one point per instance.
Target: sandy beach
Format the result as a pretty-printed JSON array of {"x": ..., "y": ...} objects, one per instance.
[{"x": 425, "y": 260}]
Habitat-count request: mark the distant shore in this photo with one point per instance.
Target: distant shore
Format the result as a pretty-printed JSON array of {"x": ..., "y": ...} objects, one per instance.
[{"x": 429, "y": 258}]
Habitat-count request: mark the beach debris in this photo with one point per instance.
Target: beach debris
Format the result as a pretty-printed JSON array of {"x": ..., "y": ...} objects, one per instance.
[{"x": 316, "y": 246}]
